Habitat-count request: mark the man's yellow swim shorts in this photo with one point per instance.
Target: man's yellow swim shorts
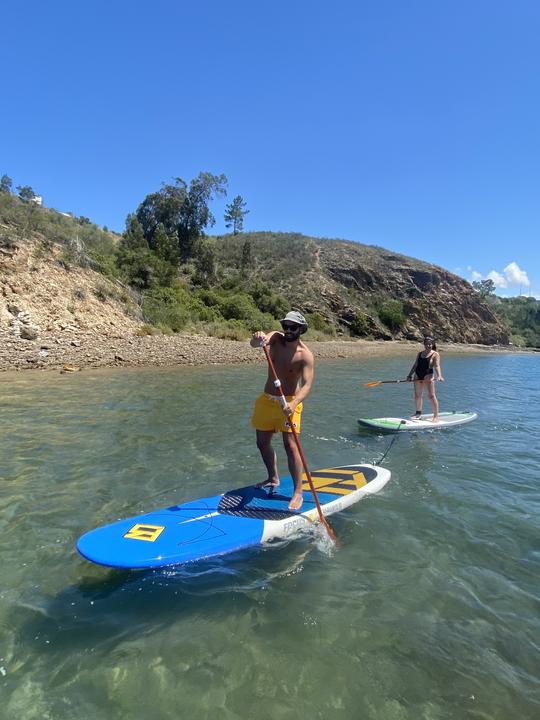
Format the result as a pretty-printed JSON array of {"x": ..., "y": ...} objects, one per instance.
[{"x": 268, "y": 414}]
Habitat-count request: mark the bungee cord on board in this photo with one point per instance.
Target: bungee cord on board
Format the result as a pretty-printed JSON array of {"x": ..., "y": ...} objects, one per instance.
[
  {"x": 346, "y": 440},
  {"x": 392, "y": 441}
]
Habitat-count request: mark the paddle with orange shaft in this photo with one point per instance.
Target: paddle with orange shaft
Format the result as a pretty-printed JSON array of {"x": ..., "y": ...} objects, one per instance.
[
  {"x": 383, "y": 382},
  {"x": 283, "y": 400}
]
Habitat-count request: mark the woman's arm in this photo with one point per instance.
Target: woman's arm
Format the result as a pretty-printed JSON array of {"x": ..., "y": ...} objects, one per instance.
[{"x": 437, "y": 366}]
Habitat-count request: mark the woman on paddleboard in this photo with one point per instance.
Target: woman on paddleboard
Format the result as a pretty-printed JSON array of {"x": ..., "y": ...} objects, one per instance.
[{"x": 427, "y": 363}]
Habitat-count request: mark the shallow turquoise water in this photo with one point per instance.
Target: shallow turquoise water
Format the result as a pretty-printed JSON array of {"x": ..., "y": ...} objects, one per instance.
[{"x": 429, "y": 610}]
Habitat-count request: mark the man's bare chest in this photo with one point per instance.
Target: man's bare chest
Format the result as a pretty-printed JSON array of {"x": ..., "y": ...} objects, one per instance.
[{"x": 289, "y": 363}]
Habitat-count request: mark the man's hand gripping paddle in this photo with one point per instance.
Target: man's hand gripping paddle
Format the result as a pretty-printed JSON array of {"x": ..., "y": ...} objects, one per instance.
[
  {"x": 383, "y": 382},
  {"x": 277, "y": 384}
]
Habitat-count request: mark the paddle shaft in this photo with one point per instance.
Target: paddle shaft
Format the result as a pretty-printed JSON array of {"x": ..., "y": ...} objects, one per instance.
[
  {"x": 283, "y": 400},
  {"x": 384, "y": 382}
]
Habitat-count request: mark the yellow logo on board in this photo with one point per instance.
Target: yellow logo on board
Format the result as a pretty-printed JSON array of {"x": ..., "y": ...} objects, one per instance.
[
  {"x": 144, "y": 532},
  {"x": 336, "y": 482}
]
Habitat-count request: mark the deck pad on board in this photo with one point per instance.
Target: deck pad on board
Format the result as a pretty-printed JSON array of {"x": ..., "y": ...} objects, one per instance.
[{"x": 222, "y": 523}]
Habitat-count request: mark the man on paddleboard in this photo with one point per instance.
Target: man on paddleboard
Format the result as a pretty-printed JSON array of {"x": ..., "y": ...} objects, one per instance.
[{"x": 293, "y": 361}]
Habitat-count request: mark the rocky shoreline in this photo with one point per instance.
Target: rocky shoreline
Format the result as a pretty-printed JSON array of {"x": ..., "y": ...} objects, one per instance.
[{"x": 65, "y": 354}]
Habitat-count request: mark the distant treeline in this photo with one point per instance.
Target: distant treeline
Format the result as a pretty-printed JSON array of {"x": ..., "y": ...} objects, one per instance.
[{"x": 522, "y": 315}]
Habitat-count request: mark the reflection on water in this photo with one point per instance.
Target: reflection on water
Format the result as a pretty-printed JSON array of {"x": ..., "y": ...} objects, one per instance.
[{"x": 429, "y": 609}]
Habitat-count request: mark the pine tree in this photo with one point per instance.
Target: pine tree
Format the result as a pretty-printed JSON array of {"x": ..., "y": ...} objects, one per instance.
[
  {"x": 234, "y": 214},
  {"x": 5, "y": 184},
  {"x": 133, "y": 237}
]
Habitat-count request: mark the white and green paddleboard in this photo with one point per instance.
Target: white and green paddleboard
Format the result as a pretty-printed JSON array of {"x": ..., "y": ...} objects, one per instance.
[{"x": 424, "y": 422}]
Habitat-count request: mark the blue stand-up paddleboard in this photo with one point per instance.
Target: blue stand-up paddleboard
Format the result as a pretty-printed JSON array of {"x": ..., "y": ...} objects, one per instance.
[
  {"x": 223, "y": 523},
  {"x": 424, "y": 422}
]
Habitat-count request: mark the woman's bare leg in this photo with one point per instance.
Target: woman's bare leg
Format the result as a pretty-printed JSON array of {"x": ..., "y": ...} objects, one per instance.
[
  {"x": 433, "y": 398},
  {"x": 418, "y": 391}
]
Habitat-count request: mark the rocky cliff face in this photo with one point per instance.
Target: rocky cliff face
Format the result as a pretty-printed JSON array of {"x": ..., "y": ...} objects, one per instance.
[
  {"x": 341, "y": 279},
  {"x": 434, "y": 300},
  {"x": 42, "y": 298}
]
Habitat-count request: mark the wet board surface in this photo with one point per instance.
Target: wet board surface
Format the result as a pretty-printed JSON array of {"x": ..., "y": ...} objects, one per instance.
[
  {"x": 424, "y": 422},
  {"x": 220, "y": 524}
]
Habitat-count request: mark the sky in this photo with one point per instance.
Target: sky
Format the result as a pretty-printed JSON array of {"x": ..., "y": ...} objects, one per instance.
[{"x": 409, "y": 124}]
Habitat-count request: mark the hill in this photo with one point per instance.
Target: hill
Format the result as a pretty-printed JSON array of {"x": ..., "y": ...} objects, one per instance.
[
  {"x": 64, "y": 279},
  {"x": 366, "y": 290}
]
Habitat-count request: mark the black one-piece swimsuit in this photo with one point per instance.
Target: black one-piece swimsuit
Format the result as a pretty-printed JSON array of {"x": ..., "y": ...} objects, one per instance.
[{"x": 423, "y": 366}]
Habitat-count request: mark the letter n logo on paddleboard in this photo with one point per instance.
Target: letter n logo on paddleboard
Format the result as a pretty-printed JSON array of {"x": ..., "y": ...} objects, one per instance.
[
  {"x": 144, "y": 532},
  {"x": 336, "y": 481}
]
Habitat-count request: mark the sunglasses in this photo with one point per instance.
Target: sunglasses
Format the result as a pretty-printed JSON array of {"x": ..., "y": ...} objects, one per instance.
[{"x": 290, "y": 328}]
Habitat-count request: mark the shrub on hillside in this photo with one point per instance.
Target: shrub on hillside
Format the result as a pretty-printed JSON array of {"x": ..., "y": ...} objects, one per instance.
[
  {"x": 316, "y": 322},
  {"x": 162, "y": 310},
  {"x": 212, "y": 298},
  {"x": 360, "y": 324},
  {"x": 268, "y": 300},
  {"x": 226, "y": 330},
  {"x": 237, "y": 307},
  {"x": 241, "y": 307},
  {"x": 105, "y": 264},
  {"x": 391, "y": 314},
  {"x": 518, "y": 340}
]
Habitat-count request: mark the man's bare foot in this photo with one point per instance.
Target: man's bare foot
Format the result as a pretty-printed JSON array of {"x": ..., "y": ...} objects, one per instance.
[
  {"x": 296, "y": 501},
  {"x": 270, "y": 484},
  {"x": 435, "y": 420}
]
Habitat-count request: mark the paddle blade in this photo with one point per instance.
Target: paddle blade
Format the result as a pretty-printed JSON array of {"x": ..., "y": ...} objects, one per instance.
[
  {"x": 332, "y": 535},
  {"x": 373, "y": 384}
]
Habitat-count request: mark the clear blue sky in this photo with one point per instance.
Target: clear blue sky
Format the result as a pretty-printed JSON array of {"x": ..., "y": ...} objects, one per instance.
[{"x": 414, "y": 125}]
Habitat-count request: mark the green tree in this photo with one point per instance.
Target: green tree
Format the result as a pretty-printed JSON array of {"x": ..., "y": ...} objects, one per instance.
[
  {"x": 144, "y": 269},
  {"x": 139, "y": 265},
  {"x": 183, "y": 211},
  {"x": 205, "y": 262},
  {"x": 245, "y": 262},
  {"x": 133, "y": 237},
  {"x": 5, "y": 184},
  {"x": 485, "y": 288},
  {"x": 26, "y": 193},
  {"x": 165, "y": 246},
  {"x": 235, "y": 213}
]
